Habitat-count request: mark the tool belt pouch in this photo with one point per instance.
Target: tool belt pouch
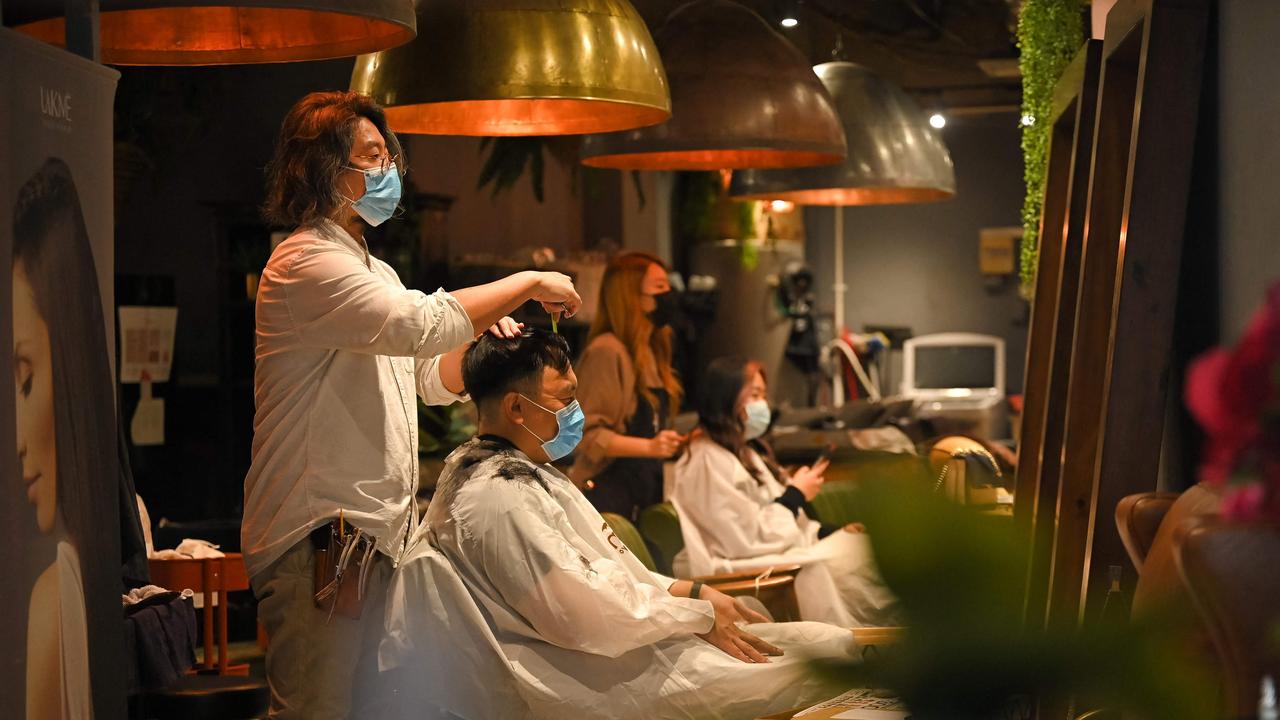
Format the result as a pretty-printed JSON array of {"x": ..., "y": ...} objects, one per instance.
[{"x": 341, "y": 564}]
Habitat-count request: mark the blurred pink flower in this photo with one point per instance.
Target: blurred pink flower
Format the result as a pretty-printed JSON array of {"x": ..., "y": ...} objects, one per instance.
[
  {"x": 1244, "y": 502},
  {"x": 1235, "y": 396}
]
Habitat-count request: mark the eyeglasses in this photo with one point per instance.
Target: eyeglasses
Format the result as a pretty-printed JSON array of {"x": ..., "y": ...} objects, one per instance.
[{"x": 384, "y": 161}]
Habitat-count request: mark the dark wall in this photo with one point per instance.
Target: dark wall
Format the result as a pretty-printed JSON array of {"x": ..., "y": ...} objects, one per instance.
[
  {"x": 212, "y": 131},
  {"x": 192, "y": 177},
  {"x": 917, "y": 265},
  {"x": 1248, "y": 122}
]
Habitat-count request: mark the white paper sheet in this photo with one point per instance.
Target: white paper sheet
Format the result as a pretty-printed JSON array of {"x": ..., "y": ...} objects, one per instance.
[
  {"x": 147, "y": 426},
  {"x": 860, "y": 704},
  {"x": 872, "y": 715}
]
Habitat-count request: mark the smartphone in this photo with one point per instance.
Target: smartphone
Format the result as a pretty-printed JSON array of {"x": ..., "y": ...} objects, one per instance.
[{"x": 825, "y": 455}]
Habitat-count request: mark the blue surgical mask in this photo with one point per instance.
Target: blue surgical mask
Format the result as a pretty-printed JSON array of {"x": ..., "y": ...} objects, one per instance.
[
  {"x": 758, "y": 417},
  {"x": 569, "y": 422},
  {"x": 381, "y": 195}
]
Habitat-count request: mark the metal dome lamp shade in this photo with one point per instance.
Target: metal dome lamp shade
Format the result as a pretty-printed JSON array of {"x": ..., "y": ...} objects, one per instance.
[
  {"x": 210, "y": 32},
  {"x": 533, "y": 67},
  {"x": 741, "y": 97},
  {"x": 895, "y": 156}
]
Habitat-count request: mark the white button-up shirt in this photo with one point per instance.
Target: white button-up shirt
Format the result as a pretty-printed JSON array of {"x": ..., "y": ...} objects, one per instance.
[{"x": 343, "y": 349}]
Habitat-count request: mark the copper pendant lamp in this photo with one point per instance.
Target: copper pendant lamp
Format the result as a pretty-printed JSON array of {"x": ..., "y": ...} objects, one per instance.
[
  {"x": 741, "y": 96},
  {"x": 894, "y": 155},
  {"x": 532, "y": 67},
  {"x": 227, "y": 32}
]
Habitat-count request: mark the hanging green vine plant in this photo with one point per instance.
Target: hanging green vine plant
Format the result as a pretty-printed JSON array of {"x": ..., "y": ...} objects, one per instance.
[{"x": 1050, "y": 33}]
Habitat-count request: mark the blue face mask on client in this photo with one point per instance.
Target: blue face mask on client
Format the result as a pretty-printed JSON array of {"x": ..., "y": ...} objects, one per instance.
[
  {"x": 381, "y": 194},
  {"x": 569, "y": 421}
]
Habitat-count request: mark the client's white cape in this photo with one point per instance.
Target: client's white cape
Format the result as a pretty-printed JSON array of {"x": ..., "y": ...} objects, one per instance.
[{"x": 515, "y": 600}]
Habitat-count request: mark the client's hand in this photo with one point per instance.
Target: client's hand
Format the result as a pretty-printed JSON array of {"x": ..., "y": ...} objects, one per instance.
[{"x": 726, "y": 634}]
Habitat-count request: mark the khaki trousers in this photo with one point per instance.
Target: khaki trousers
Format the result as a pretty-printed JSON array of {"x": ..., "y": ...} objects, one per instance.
[{"x": 319, "y": 666}]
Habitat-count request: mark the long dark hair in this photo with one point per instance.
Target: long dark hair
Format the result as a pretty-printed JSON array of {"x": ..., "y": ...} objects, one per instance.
[
  {"x": 718, "y": 411},
  {"x": 312, "y": 151},
  {"x": 52, "y": 244}
]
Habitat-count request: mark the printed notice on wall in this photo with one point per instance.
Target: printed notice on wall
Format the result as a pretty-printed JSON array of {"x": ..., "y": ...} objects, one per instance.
[{"x": 146, "y": 342}]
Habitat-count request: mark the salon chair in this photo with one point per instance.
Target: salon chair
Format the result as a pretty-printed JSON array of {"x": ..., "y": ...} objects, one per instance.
[
  {"x": 1151, "y": 526},
  {"x": 660, "y": 526},
  {"x": 1138, "y": 519},
  {"x": 1160, "y": 588},
  {"x": 1232, "y": 572},
  {"x": 776, "y": 591}
]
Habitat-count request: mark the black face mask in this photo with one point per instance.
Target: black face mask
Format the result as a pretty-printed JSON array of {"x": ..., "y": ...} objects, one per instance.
[{"x": 665, "y": 311}]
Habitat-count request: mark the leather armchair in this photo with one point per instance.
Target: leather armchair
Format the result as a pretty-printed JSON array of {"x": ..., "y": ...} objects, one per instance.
[
  {"x": 1232, "y": 572},
  {"x": 1138, "y": 519}
]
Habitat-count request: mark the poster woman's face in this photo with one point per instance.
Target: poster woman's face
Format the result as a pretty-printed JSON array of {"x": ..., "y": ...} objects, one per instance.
[{"x": 33, "y": 389}]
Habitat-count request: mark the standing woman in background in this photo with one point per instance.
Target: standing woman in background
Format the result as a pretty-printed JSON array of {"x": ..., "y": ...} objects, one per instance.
[{"x": 628, "y": 389}]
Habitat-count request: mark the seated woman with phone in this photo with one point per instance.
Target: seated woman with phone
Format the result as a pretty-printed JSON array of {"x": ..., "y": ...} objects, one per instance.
[{"x": 740, "y": 511}]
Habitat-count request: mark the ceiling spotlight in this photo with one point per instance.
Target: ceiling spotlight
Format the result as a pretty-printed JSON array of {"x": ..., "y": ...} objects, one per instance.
[
  {"x": 789, "y": 16},
  {"x": 781, "y": 206},
  {"x": 938, "y": 120},
  {"x": 1028, "y": 120}
]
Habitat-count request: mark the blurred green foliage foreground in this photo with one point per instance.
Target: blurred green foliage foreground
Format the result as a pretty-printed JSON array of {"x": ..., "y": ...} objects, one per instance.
[{"x": 959, "y": 576}]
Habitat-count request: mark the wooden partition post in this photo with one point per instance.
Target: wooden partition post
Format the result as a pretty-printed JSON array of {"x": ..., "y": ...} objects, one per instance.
[
  {"x": 1150, "y": 255},
  {"x": 1148, "y": 102},
  {"x": 1053, "y": 314}
]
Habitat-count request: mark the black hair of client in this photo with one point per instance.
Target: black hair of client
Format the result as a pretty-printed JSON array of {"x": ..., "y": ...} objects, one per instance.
[
  {"x": 494, "y": 366},
  {"x": 51, "y": 243},
  {"x": 718, "y": 411}
]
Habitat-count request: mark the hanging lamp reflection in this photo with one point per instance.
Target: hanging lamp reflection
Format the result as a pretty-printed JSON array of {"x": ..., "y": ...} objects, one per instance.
[
  {"x": 741, "y": 96},
  {"x": 536, "y": 67},
  {"x": 209, "y": 32}
]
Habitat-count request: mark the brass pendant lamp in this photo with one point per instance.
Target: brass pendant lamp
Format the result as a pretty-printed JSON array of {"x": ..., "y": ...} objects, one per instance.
[
  {"x": 741, "y": 96},
  {"x": 532, "y": 67},
  {"x": 227, "y": 32},
  {"x": 894, "y": 155}
]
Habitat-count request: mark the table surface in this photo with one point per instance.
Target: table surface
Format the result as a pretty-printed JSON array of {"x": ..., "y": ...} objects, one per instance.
[{"x": 180, "y": 574}]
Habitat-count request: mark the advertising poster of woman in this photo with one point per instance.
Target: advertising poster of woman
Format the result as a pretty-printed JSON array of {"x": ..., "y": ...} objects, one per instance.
[{"x": 60, "y": 547}]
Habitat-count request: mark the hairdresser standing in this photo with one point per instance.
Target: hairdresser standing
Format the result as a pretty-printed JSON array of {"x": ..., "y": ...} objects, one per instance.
[{"x": 343, "y": 349}]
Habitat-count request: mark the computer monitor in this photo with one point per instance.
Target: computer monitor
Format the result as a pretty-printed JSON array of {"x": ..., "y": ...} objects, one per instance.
[{"x": 953, "y": 366}]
